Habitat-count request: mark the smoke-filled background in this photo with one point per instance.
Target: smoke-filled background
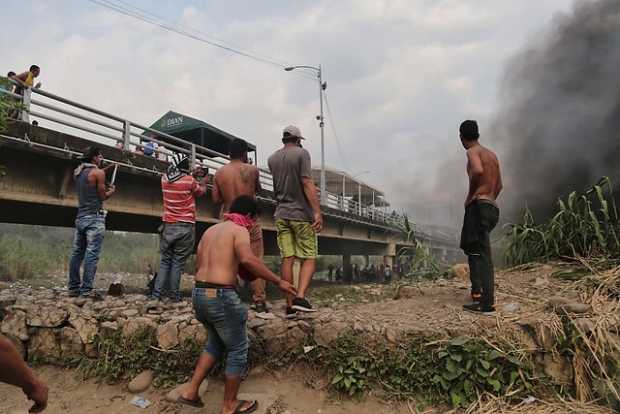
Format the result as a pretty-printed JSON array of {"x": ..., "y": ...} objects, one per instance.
[{"x": 558, "y": 126}]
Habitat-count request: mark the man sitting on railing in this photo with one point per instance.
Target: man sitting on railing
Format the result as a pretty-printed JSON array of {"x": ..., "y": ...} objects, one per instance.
[
  {"x": 176, "y": 242},
  {"x": 26, "y": 79}
]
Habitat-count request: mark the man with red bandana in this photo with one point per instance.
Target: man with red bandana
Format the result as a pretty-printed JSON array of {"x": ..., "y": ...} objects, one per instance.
[{"x": 223, "y": 250}]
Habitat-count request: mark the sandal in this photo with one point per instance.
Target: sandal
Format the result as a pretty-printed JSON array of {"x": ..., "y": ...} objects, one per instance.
[
  {"x": 197, "y": 403},
  {"x": 250, "y": 409}
]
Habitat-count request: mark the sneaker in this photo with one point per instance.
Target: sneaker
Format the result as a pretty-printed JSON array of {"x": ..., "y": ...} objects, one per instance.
[
  {"x": 478, "y": 308},
  {"x": 93, "y": 294},
  {"x": 260, "y": 307},
  {"x": 302, "y": 305},
  {"x": 73, "y": 293},
  {"x": 290, "y": 313}
]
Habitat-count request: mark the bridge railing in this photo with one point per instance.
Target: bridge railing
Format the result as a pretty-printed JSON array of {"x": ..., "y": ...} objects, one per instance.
[{"x": 109, "y": 129}]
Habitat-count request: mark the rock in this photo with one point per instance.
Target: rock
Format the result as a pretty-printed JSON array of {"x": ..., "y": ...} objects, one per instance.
[
  {"x": 133, "y": 326},
  {"x": 574, "y": 308},
  {"x": 90, "y": 350},
  {"x": 406, "y": 292},
  {"x": 460, "y": 271},
  {"x": 287, "y": 341},
  {"x": 256, "y": 323},
  {"x": 108, "y": 328},
  {"x": 266, "y": 315},
  {"x": 80, "y": 301},
  {"x": 325, "y": 334},
  {"x": 46, "y": 316},
  {"x": 7, "y": 299},
  {"x": 44, "y": 344},
  {"x": 14, "y": 324},
  {"x": 175, "y": 393},
  {"x": 511, "y": 307},
  {"x": 272, "y": 329},
  {"x": 540, "y": 333},
  {"x": 141, "y": 382},
  {"x": 391, "y": 335},
  {"x": 85, "y": 326},
  {"x": 195, "y": 333},
  {"x": 71, "y": 345},
  {"x": 558, "y": 368},
  {"x": 555, "y": 302},
  {"x": 168, "y": 335},
  {"x": 304, "y": 326},
  {"x": 4, "y": 285},
  {"x": 130, "y": 313}
]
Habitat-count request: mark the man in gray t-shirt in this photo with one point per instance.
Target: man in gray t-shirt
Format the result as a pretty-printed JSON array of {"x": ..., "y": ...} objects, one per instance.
[{"x": 298, "y": 214}]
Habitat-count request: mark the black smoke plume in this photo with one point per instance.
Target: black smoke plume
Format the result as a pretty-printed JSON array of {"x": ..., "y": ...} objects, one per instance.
[{"x": 559, "y": 119}]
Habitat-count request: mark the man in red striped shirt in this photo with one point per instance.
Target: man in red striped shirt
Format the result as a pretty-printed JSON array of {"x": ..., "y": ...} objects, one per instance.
[{"x": 176, "y": 241}]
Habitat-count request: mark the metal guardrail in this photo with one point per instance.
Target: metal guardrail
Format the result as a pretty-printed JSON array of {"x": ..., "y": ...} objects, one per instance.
[{"x": 109, "y": 129}]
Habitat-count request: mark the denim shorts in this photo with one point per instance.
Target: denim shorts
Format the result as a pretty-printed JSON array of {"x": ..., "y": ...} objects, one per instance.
[{"x": 224, "y": 316}]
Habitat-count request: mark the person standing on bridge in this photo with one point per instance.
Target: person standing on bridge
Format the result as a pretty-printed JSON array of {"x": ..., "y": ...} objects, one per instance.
[
  {"x": 26, "y": 79},
  {"x": 481, "y": 216},
  {"x": 298, "y": 214},
  {"x": 235, "y": 179},
  {"x": 176, "y": 241},
  {"x": 89, "y": 223}
]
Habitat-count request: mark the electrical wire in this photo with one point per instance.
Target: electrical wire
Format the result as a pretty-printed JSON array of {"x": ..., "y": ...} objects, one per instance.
[
  {"x": 332, "y": 124},
  {"x": 150, "y": 18}
]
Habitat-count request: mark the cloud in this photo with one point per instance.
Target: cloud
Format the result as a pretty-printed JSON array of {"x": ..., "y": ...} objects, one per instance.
[{"x": 401, "y": 74}]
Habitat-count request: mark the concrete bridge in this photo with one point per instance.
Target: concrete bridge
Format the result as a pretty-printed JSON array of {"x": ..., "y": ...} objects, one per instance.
[{"x": 36, "y": 187}]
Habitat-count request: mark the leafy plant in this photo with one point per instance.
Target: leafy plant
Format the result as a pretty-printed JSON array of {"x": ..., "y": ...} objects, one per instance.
[
  {"x": 585, "y": 225},
  {"x": 352, "y": 378},
  {"x": 422, "y": 263},
  {"x": 469, "y": 368}
]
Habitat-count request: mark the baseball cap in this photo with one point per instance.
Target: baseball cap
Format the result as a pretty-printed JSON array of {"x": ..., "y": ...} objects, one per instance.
[{"x": 292, "y": 130}]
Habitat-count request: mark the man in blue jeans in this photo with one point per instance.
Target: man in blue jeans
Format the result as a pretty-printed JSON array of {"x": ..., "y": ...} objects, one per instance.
[
  {"x": 89, "y": 223},
  {"x": 224, "y": 251},
  {"x": 176, "y": 242}
]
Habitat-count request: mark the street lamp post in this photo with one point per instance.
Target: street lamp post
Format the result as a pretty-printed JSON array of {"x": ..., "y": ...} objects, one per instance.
[{"x": 321, "y": 119}]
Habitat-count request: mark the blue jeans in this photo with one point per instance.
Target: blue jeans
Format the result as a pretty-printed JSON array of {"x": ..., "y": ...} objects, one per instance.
[
  {"x": 176, "y": 243},
  {"x": 224, "y": 316},
  {"x": 87, "y": 241}
]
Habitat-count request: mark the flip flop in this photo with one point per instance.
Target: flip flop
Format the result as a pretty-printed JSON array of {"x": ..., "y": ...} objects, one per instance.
[
  {"x": 197, "y": 403},
  {"x": 250, "y": 409}
]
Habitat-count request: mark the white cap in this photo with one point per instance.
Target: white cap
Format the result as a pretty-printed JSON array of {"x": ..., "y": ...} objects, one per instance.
[{"x": 292, "y": 130}]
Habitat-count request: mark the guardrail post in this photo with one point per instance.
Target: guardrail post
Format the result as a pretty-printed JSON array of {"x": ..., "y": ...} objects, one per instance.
[
  {"x": 126, "y": 135},
  {"x": 25, "y": 112},
  {"x": 192, "y": 160}
]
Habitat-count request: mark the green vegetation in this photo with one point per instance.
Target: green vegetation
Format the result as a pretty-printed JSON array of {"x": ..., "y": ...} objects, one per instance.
[
  {"x": 586, "y": 225},
  {"x": 452, "y": 371},
  {"x": 7, "y": 103},
  {"x": 122, "y": 358},
  {"x": 423, "y": 264},
  {"x": 33, "y": 251}
]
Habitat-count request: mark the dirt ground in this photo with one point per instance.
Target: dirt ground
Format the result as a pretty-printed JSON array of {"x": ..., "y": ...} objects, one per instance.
[
  {"x": 70, "y": 395},
  {"x": 435, "y": 306}
]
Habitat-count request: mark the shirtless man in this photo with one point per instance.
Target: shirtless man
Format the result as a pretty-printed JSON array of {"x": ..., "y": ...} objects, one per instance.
[
  {"x": 222, "y": 250},
  {"x": 481, "y": 216},
  {"x": 235, "y": 179}
]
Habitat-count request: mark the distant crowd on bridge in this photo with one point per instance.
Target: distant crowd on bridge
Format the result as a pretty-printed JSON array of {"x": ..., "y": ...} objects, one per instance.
[{"x": 232, "y": 250}]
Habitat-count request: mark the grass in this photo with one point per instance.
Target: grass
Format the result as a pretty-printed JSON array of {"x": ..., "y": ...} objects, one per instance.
[{"x": 27, "y": 252}]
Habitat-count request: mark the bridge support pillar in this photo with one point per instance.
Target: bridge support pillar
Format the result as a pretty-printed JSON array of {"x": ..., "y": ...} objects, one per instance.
[
  {"x": 346, "y": 268},
  {"x": 389, "y": 255}
]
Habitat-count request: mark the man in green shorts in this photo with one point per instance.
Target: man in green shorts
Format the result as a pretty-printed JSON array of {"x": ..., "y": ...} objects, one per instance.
[{"x": 298, "y": 214}]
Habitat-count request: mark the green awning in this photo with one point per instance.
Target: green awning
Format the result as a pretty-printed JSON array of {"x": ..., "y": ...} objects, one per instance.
[{"x": 196, "y": 131}]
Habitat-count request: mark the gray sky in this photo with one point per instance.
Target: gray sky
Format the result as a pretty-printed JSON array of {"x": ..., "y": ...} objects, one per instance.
[{"x": 401, "y": 75}]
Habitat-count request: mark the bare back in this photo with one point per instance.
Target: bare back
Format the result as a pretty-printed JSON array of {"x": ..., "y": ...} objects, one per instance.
[
  {"x": 216, "y": 257},
  {"x": 485, "y": 180},
  {"x": 233, "y": 180}
]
